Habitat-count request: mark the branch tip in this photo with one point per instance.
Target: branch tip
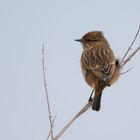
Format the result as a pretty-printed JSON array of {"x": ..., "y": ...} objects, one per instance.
[{"x": 129, "y": 48}]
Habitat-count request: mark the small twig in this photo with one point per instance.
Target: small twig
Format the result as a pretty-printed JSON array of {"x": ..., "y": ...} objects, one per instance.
[
  {"x": 48, "y": 136},
  {"x": 130, "y": 45},
  {"x": 129, "y": 57},
  {"x": 126, "y": 71},
  {"x": 53, "y": 127},
  {"x": 84, "y": 109},
  {"x": 45, "y": 86},
  {"x": 54, "y": 119}
]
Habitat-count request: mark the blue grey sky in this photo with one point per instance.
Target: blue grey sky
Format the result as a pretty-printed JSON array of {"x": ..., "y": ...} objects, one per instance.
[{"x": 24, "y": 26}]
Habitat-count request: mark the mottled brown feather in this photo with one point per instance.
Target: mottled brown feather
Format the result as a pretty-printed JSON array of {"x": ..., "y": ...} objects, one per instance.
[{"x": 100, "y": 60}]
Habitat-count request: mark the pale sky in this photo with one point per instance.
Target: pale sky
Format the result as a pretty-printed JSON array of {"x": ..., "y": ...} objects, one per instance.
[{"x": 24, "y": 26}]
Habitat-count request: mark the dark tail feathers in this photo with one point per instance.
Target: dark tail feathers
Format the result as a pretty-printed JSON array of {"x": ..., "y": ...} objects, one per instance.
[{"x": 96, "y": 103}]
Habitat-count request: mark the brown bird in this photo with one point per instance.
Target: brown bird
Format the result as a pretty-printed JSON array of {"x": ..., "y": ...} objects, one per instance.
[{"x": 100, "y": 68}]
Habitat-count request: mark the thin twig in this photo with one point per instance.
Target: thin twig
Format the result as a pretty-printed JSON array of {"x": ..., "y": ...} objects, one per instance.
[
  {"x": 53, "y": 127},
  {"x": 45, "y": 86},
  {"x": 130, "y": 45},
  {"x": 129, "y": 57},
  {"x": 48, "y": 136},
  {"x": 84, "y": 109},
  {"x": 126, "y": 71}
]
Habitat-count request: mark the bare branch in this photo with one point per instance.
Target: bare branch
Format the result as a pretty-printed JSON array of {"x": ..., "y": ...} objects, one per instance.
[
  {"x": 48, "y": 136},
  {"x": 126, "y": 71},
  {"x": 84, "y": 109},
  {"x": 129, "y": 57},
  {"x": 45, "y": 86},
  {"x": 52, "y": 126},
  {"x": 130, "y": 45}
]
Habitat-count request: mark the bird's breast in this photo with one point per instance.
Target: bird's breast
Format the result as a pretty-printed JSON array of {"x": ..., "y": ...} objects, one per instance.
[{"x": 89, "y": 77}]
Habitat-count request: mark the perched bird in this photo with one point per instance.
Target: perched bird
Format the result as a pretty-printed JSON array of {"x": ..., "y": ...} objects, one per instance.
[{"x": 100, "y": 68}]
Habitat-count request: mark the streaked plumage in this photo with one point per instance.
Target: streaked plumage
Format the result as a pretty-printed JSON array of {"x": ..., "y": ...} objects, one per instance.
[{"x": 99, "y": 65}]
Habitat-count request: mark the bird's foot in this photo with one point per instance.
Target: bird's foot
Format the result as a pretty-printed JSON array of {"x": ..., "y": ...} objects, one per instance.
[{"x": 90, "y": 98}]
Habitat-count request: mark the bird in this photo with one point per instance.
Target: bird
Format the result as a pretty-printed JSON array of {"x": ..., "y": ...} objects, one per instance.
[{"x": 99, "y": 65}]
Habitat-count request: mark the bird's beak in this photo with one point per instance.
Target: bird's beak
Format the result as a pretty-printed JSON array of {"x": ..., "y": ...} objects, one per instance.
[{"x": 79, "y": 40}]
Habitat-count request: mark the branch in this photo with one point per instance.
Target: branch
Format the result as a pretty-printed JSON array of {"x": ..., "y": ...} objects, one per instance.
[
  {"x": 127, "y": 71},
  {"x": 45, "y": 86},
  {"x": 129, "y": 57},
  {"x": 130, "y": 45},
  {"x": 84, "y": 109},
  {"x": 52, "y": 126}
]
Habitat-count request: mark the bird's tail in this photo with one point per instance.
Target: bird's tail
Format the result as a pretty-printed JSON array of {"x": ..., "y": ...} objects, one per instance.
[{"x": 96, "y": 103}]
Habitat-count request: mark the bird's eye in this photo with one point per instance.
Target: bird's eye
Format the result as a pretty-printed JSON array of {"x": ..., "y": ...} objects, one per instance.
[{"x": 89, "y": 40}]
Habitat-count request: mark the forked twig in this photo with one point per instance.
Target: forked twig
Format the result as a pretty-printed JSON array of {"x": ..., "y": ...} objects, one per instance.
[
  {"x": 45, "y": 86},
  {"x": 129, "y": 57},
  {"x": 52, "y": 126},
  {"x": 130, "y": 45},
  {"x": 84, "y": 109}
]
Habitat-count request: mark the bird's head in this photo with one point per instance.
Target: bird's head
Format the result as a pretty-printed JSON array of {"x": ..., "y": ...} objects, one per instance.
[{"x": 90, "y": 38}]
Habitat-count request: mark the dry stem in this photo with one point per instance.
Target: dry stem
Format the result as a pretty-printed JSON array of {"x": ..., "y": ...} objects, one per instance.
[
  {"x": 129, "y": 57},
  {"x": 84, "y": 109},
  {"x": 52, "y": 128},
  {"x": 45, "y": 86},
  {"x": 130, "y": 45}
]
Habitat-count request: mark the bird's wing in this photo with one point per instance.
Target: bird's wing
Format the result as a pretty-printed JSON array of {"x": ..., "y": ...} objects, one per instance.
[{"x": 101, "y": 62}]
